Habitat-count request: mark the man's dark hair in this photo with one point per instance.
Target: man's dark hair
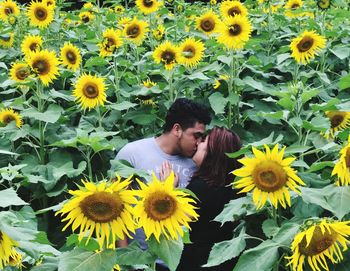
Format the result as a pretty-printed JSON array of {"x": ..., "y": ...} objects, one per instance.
[{"x": 186, "y": 113}]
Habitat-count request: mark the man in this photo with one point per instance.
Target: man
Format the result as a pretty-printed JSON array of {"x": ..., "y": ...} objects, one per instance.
[{"x": 183, "y": 130}]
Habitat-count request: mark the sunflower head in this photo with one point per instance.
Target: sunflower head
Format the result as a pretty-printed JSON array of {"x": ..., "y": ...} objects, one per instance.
[
  {"x": 158, "y": 33},
  {"x": 136, "y": 31},
  {"x": 7, "y": 40},
  {"x": 19, "y": 72},
  {"x": 306, "y": 46},
  {"x": 148, "y": 6},
  {"x": 208, "y": 23},
  {"x": 111, "y": 40},
  {"x": 70, "y": 56},
  {"x": 342, "y": 167},
  {"x": 45, "y": 65},
  {"x": 8, "y": 8},
  {"x": 232, "y": 8},
  {"x": 50, "y": 3},
  {"x": 293, "y": 4},
  {"x": 90, "y": 91},
  {"x": 7, "y": 248},
  {"x": 40, "y": 14},
  {"x": 324, "y": 4},
  {"x": 269, "y": 176},
  {"x": 166, "y": 53},
  {"x": 319, "y": 241},
  {"x": 31, "y": 43},
  {"x": 105, "y": 208},
  {"x": 235, "y": 32},
  {"x": 8, "y": 115},
  {"x": 191, "y": 52},
  {"x": 148, "y": 83},
  {"x": 163, "y": 209},
  {"x": 86, "y": 17},
  {"x": 119, "y": 9}
]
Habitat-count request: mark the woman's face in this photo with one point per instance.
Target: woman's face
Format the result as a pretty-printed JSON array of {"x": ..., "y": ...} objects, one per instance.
[{"x": 198, "y": 157}]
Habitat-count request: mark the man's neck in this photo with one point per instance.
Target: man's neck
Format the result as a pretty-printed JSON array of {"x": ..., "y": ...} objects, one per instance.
[{"x": 167, "y": 144}]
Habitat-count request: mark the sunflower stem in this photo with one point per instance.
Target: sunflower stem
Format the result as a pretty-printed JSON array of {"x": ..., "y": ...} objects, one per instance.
[
  {"x": 41, "y": 127},
  {"x": 232, "y": 90},
  {"x": 116, "y": 79},
  {"x": 171, "y": 88},
  {"x": 88, "y": 161}
]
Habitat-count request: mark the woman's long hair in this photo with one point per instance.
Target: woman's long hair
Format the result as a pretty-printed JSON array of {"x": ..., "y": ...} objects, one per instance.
[{"x": 217, "y": 166}]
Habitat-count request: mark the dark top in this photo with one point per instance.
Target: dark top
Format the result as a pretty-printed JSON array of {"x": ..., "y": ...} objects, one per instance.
[{"x": 205, "y": 232}]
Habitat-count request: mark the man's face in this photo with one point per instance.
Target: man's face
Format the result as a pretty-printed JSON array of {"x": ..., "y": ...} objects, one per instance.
[{"x": 190, "y": 138}]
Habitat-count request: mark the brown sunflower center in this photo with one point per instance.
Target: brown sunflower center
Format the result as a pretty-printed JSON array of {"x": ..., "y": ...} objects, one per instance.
[
  {"x": 8, "y": 10},
  {"x": 22, "y": 73},
  {"x": 336, "y": 120},
  {"x": 319, "y": 242},
  {"x": 295, "y": 6},
  {"x": 207, "y": 25},
  {"x": 33, "y": 46},
  {"x": 168, "y": 56},
  {"x": 86, "y": 19},
  {"x": 102, "y": 207},
  {"x": 90, "y": 90},
  {"x": 235, "y": 29},
  {"x": 305, "y": 44},
  {"x": 189, "y": 51},
  {"x": 8, "y": 118},
  {"x": 41, "y": 66},
  {"x": 0, "y": 236},
  {"x": 148, "y": 3},
  {"x": 269, "y": 176},
  {"x": 234, "y": 11},
  {"x": 160, "y": 206},
  {"x": 40, "y": 14},
  {"x": 347, "y": 158},
  {"x": 49, "y": 3},
  {"x": 133, "y": 31},
  {"x": 109, "y": 44},
  {"x": 6, "y": 38},
  {"x": 71, "y": 57}
]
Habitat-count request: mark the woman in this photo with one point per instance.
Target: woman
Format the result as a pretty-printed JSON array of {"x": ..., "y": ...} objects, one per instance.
[{"x": 210, "y": 183}]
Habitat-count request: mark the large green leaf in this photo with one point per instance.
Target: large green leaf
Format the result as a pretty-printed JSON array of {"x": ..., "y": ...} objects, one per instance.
[
  {"x": 261, "y": 258},
  {"x": 167, "y": 250},
  {"x": 344, "y": 82},
  {"x": 47, "y": 264},
  {"x": 226, "y": 250},
  {"x": 217, "y": 102},
  {"x": 233, "y": 210},
  {"x": 332, "y": 198},
  {"x": 133, "y": 254},
  {"x": 51, "y": 115},
  {"x": 78, "y": 260},
  {"x": 9, "y": 197}
]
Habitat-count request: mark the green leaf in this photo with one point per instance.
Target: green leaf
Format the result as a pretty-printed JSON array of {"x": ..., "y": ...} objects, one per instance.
[
  {"x": 286, "y": 233},
  {"x": 47, "y": 264},
  {"x": 282, "y": 57},
  {"x": 167, "y": 250},
  {"x": 198, "y": 75},
  {"x": 332, "y": 198},
  {"x": 51, "y": 115},
  {"x": 124, "y": 169},
  {"x": 253, "y": 83},
  {"x": 226, "y": 250},
  {"x": 270, "y": 227},
  {"x": 320, "y": 165},
  {"x": 296, "y": 149},
  {"x": 35, "y": 249},
  {"x": 318, "y": 123},
  {"x": 95, "y": 61},
  {"x": 133, "y": 254},
  {"x": 8, "y": 152},
  {"x": 125, "y": 105},
  {"x": 78, "y": 260},
  {"x": 341, "y": 52},
  {"x": 217, "y": 102},
  {"x": 344, "y": 82},
  {"x": 306, "y": 96},
  {"x": 261, "y": 258},
  {"x": 233, "y": 210},
  {"x": 9, "y": 197},
  {"x": 287, "y": 103}
]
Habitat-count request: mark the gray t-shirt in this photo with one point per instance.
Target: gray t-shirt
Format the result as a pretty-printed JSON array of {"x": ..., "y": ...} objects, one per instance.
[{"x": 147, "y": 155}]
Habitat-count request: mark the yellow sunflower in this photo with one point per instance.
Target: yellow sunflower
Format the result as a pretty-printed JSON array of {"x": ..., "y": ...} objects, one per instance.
[
  {"x": 317, "y": 242},
  {"x": 31, "y": 43},
  {"x": 148, "y": 6},
  {"x": 103, "y": 208},
  {"x": 208, "y": 23},
  {"x": 50, "y": 3},
  {"x": 8, "y": 115},
  {"x": 222, "y": 78},
  {"x": 40, "y": 14},
  {"x": 111, "y": 40},
  {"x": 7, "y": 251},
  {"x": 70, "y": 55},
  {"x": 293, "y": 4},
  {"x": 166, "y": 53},
  {"x": 232, "y": 8},
  {"x": 235, "y": 32},
  {"x": 86, "y": 16},
  {"x": 7, "y": 40},
  {"x": 8, "y": 8},
  {"x": 16, "y": 260},
  {"x": 136, "y": 31},
  {"x": 306, "y": 46},
  {"x": 19, "y": 72},
  {"x": 339, "y": 120},
  {"x": 44, "y": 64},
  {"x": 269, "y": 175},
  {"x": 90, "y": 91},
  {"x": 158, "y": 33},
  {"x": 119, "y": 9},
  {"x": 191, "y": 52},
  {"x": 342, "y": 167},
  {"x": 161, "y": 209},
  {"x": 148, "y": 83}
]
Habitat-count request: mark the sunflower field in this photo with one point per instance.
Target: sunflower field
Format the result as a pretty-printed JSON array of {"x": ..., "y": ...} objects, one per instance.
[{"x": 77, "y": 82}]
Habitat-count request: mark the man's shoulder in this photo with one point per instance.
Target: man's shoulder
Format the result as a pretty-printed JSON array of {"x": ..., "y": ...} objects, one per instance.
[{"x": 137, "y": 145}]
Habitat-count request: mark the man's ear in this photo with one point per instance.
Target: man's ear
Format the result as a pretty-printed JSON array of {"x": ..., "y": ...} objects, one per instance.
[{"x": 177, "y": 130}]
